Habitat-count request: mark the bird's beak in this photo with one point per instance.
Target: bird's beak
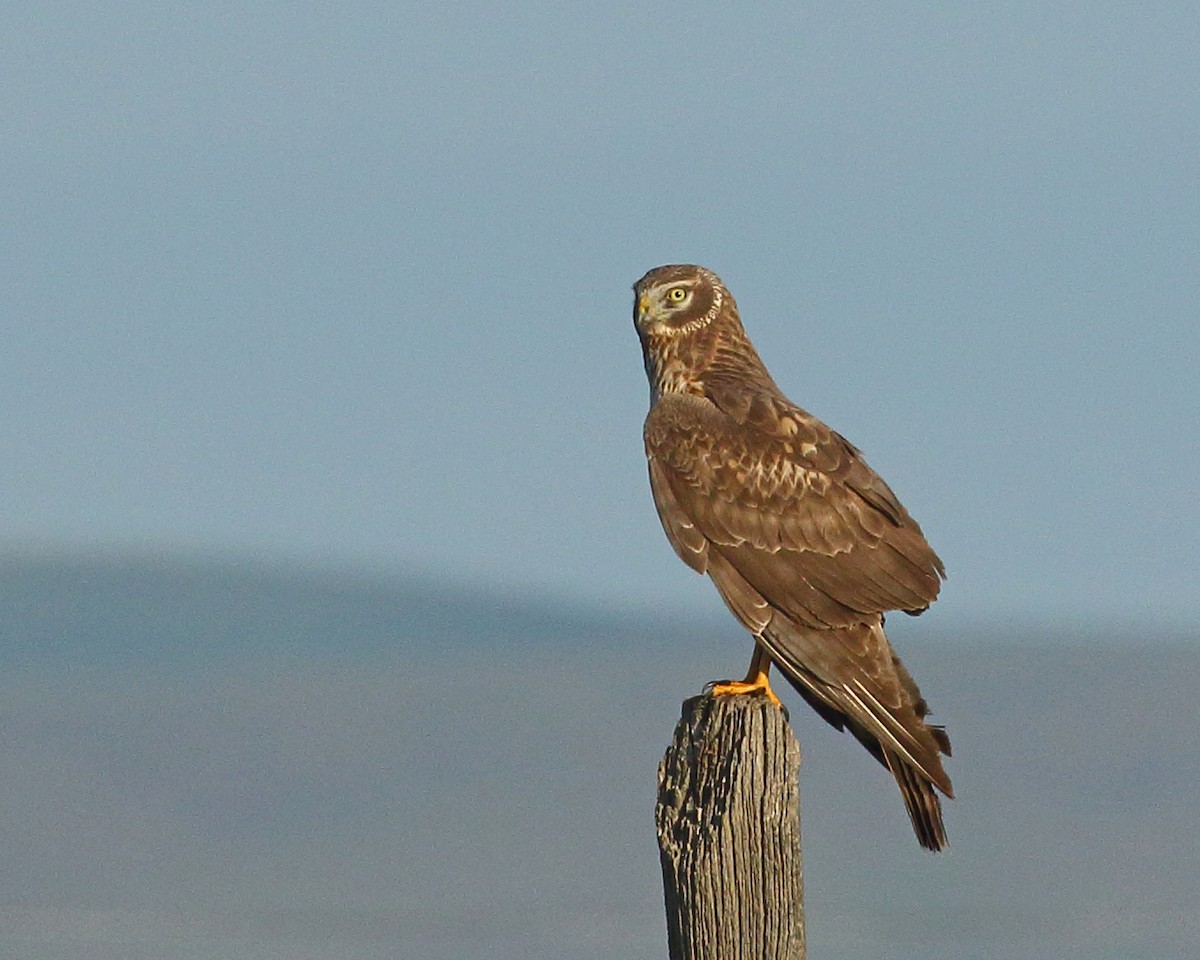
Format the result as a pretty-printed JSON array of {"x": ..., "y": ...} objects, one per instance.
[{"x": 643, "y": 305}]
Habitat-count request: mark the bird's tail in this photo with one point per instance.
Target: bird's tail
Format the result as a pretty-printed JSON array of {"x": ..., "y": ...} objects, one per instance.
[
  {"x": 921, "y": 801},
  {"x": 852, "y": 678}
]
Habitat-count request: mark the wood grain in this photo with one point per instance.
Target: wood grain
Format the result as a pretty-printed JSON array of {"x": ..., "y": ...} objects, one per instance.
[{"x": 728, "y": 819}]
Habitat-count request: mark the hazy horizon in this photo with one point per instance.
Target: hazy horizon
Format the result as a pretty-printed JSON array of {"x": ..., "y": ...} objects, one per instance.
[
  {"x": 209, "y": 762},
  {"x": 353, "y": 581}
]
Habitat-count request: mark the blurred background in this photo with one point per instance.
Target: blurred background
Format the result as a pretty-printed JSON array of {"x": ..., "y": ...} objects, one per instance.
[{"x": 337, "y": 621}]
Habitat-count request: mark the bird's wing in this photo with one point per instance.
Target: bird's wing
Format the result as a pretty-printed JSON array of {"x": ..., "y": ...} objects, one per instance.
[
  {"x": 850, "y": 675},
  {"x": 790, "y": 505},
  {"x": 808, "y": 548}
]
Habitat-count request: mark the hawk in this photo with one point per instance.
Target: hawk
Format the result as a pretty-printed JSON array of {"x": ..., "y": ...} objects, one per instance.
[{"x": 807, "y": 546}]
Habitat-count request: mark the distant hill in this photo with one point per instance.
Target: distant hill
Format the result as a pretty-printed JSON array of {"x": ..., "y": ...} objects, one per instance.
[{"x": 110, "y": 609}]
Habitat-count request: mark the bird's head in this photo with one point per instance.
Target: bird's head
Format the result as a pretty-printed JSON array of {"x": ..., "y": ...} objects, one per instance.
[
  {"x": 689, "y": 327},
  {"x": 673, "y": 301}
]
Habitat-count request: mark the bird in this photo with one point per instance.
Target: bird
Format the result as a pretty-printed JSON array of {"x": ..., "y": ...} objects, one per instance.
[{"x": 805, "y": 543}]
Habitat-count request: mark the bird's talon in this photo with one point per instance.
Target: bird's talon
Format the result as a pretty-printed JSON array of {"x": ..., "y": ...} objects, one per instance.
[{"x": 735, "y": 688}]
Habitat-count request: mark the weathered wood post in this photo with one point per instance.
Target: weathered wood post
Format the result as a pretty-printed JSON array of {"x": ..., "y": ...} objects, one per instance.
[{"x": 728, "y": 818}]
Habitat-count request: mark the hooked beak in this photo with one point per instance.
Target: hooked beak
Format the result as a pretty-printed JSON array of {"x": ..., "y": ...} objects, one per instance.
[{"x": 643, "y": 305}]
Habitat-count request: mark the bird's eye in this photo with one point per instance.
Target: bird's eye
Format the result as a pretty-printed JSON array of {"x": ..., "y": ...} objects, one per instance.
[{"x": 676, "y": 294}]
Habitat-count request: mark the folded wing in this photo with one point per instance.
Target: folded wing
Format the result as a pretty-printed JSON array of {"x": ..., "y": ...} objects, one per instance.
[{"x": 809, "y": 548}]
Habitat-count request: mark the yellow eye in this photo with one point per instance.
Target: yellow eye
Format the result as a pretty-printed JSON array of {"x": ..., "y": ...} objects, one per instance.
[{"x": 677, "y": 294}]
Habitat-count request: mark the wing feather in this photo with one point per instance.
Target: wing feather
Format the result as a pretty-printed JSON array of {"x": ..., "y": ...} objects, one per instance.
[
  {"x": 827, "y": 545},
  {"x": 689, "y": 543},
  {"x": 852, "y": 676}
]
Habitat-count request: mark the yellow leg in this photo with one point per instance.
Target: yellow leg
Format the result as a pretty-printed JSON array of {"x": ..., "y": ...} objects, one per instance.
[{"x": 756, "y": 679}]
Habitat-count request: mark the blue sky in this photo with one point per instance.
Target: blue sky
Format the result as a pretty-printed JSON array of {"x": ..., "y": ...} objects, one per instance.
[{"x": 350, "y": 284}]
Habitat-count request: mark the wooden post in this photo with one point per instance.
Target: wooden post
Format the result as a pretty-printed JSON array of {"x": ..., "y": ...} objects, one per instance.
[{"x": 728, "y": 818}]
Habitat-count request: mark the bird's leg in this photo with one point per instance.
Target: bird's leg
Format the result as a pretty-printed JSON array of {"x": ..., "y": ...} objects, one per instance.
[{"x": 756, "y": 679}]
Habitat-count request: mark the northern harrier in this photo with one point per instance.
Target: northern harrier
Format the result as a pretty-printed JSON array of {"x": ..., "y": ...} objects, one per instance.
[{"x": 807, "y": 545}]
